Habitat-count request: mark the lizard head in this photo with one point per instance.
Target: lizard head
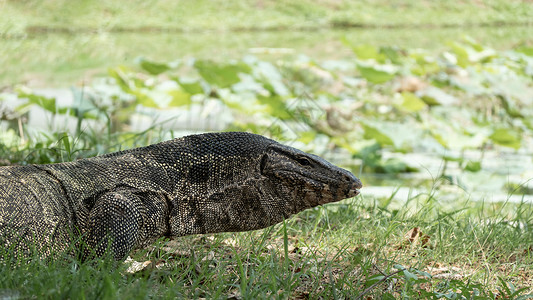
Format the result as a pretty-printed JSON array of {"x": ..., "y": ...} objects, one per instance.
[{"x": 306, "y": 179}]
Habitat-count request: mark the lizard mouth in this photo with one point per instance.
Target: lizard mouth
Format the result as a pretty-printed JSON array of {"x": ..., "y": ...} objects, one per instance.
[
  {"x": 355, "y": 189},
  {"x": 353, "y": 192},
  {"x": 345, "y": 192}
]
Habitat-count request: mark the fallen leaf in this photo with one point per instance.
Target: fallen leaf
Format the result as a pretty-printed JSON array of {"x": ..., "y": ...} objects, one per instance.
[
  {"x": 414, "y": 238},
  {"x": 136, "y": 266}
]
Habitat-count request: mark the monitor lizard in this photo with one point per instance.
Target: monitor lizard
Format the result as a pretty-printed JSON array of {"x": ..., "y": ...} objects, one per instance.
[{"x": 205, "y": 183}]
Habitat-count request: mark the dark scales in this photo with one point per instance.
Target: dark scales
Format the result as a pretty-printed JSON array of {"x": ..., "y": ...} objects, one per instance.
[{"x": 198, "y": 184}]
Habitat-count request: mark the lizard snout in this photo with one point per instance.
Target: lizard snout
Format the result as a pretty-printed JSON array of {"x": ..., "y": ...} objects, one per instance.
[{"x": 353, "y": 183}]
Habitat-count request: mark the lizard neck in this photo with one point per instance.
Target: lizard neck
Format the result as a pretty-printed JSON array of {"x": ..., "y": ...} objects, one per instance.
[{"x": 251, "y": 204}]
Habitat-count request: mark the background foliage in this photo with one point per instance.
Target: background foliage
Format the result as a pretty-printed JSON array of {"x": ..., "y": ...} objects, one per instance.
[{"x": 437, "y": 123}]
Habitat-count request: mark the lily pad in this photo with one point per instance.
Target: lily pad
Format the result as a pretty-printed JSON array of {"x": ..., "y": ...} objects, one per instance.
[
  {"x": 153, "y": 67},
  {"x": 221, "y": 75},
  {"x": 377, "y": 74},
  {"x": 435, "y": 96},
  {"x": 411, "y": 103},
  {"x": 506, "y": 137},
  {"x": 401, "y": 136}
]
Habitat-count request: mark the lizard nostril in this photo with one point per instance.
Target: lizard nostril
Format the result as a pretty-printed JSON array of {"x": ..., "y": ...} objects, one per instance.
[
  {"x": 346, "y": 178},
  {"x": 349, "y": 178}
]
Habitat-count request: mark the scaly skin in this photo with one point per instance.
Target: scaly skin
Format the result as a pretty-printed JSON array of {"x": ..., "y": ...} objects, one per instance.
[{"x": 214, "y": 182}]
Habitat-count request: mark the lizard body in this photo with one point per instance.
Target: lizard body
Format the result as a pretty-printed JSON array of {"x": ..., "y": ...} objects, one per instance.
[{"x": 206, "y": 183}]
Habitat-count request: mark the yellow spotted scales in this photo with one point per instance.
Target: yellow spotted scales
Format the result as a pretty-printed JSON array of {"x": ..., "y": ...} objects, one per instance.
[{"x": 206, "y": 183}]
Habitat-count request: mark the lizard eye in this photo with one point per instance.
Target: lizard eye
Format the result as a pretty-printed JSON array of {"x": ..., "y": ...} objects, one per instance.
[{"x": 304, "y": 161}]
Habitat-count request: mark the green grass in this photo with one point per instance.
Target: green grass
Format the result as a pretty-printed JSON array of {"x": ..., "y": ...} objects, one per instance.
[
  {"x": 36, "y": 49},
  {"x": 61, "y": 60},
  {"x": 448, "y": 247},
  {"x": 337, "y": 251},
  {"x": 332, "y": 252},
  {"x": 473, "y": 249},
  {"x": 21, "y": 16}
]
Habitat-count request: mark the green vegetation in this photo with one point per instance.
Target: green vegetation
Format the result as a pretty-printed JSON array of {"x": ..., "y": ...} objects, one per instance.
[
  {"x": 58, "y": 43},
  {"x": 24, "y": 16},
  {"x": 405, "y": 99},
  {"x": 385, "y": 99},
  {"x": 60, "y": 60},
  {"x": 371, "y": 111},
  {"x": 333, "y": 252}
]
